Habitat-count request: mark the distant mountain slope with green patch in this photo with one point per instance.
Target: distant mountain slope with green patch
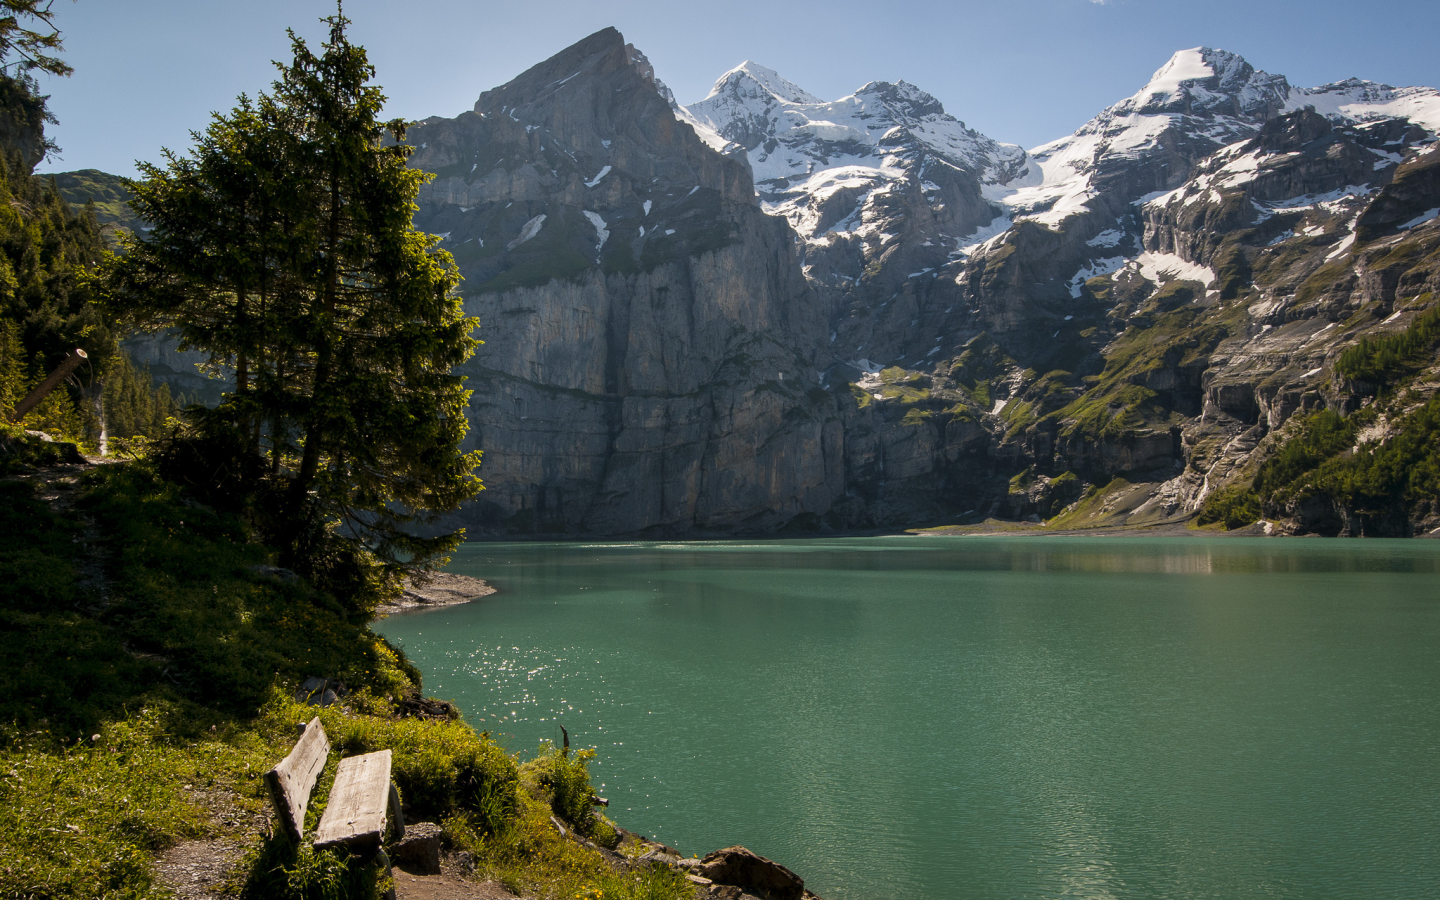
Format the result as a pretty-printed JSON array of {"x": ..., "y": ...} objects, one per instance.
[{"x": 107, "y": 192}]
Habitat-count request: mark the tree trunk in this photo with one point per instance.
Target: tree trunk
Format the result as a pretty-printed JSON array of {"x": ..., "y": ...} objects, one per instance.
[{"x": 315, "y": 427}]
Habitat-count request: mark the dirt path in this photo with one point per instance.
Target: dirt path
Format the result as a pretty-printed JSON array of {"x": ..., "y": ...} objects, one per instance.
[
  {"x": 446, "y": 887},
  {"x": 199, "y": 870}
]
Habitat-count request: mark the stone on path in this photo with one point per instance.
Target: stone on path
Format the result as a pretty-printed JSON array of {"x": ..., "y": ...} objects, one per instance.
[{"x": 419, "y": 851}]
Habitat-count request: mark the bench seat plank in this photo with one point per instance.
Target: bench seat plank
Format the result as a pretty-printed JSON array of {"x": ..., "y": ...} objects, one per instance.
[
  {"x": 355, "y": 814},
  {"x": 290, "y": 782}
]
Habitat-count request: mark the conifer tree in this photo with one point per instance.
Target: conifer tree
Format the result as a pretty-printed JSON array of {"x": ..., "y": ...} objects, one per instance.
[
  {"x": 25, "y": 49},
  {"x": 283, "y": 246}
]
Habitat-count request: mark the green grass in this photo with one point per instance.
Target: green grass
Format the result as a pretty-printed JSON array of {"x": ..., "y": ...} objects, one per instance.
[
  {"x": 123, "y": 705},
  {"x": 1088, "y": 511},
  {"x": 83, "y": 819},
  {"x": 1118, "y": 401},
  {"x": 1322, "y": 281},
  {"x": 111, "y": 198},
  {"x": 897, "y": 375},
  {"x": 115, "y": 697},
  {"x": 905, "y": 393}
]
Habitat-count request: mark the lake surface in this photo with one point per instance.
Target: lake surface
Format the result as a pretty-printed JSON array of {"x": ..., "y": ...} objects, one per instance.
[{"x": 983, "y": 717}]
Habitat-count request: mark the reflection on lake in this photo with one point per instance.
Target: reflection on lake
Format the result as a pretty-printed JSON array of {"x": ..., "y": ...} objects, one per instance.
[{"x": 983, "y": 717}]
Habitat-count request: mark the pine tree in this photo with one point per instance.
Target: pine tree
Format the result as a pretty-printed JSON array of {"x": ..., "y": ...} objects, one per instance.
[
  {"x": 134, "y": 406},
  {"x": 45, "y": 246},
  {"x": 23, "y": 49},
  {"x": 13, "y": 382},
  {"x": 283, "y": 246}
]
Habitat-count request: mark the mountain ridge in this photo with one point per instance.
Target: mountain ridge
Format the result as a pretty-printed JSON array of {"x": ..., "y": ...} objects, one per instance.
[{"x": 767, "y": 311}]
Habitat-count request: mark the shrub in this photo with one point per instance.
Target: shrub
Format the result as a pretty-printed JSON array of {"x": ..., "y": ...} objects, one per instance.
[
  {"x": 1234, "y": 507},
  {"x": 443, "y": 768},
  {"x": 282, "y": 870},
  {"x": 568, "y": 777}
]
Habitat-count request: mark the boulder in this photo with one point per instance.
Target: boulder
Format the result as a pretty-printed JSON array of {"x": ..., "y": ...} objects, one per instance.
[
  {"x": 659, "y": 856},
  {"x": 727, "y": 892},
  {"x": 419, "y": 851},
  {"x": 754, "y": 874},
  {"x": 36, "y": 449},
  {"x": 276, "y": 573},
  {"x": 414, "y": 704},
  {"x": 320, "y": 691}
]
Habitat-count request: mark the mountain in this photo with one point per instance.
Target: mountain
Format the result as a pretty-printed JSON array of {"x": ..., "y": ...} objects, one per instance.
[
  {"x": 820, "y": 164},
  {"x": 651, "y": 345},
  {"x": 766, "y": 311},
  {"x": 107, "y": 192},
  {"x": 1196, "y": 250},
  {"x": 881, "y": 186}
]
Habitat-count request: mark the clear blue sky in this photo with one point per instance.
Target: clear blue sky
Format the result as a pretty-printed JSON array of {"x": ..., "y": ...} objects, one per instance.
[{"x": 147, "y": 72}]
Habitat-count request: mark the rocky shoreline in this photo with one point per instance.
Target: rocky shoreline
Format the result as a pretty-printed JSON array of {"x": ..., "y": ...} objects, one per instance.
[
  {"x": 435, "y": 591},
  {"x": 731, "y": 873}
]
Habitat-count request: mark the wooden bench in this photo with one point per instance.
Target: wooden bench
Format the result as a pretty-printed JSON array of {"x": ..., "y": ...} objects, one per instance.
[{"x": 362, "y": 794}]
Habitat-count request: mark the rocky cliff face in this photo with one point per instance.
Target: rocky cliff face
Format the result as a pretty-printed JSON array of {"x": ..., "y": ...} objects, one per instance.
[
  {"x": 768, "y": 310},
  {"x": 22, "y": 125},
  {"x": 651, "y": 345}
]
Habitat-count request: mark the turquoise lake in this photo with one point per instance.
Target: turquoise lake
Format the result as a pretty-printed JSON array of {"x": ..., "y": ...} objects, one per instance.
[{"x": 982, "y": 717}]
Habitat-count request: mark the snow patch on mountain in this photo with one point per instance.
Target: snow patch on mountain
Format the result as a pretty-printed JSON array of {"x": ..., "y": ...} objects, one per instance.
[
  {"x": 1166, "y": 267},
  {"x": 1095, "y": 267},
  {"x": 710, "y": 136},
  {"x": 982, "y": 237},
  {"x": 1187, "y": 65},
  {"x": 601, "y": 232},
  {"x": 1109, "y": 238},
  {"x": 527, "y": 231},
  {"x": 1421, "y": 219}
]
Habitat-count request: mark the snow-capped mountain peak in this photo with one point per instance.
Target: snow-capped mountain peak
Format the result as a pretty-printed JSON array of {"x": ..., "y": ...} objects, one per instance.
[
  {"x": 1203, "y": 80},
  {"x": 750, "y": 76},
  {"x": 760, "y": 110},
  {"x": 1186, "y": 65},
  {"x": 803, "y": 149},
  {"x": 1199, "y": 101}
]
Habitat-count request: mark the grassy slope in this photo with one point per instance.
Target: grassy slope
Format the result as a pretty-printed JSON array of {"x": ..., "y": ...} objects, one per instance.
[
  {"x": 127, "y": 700},
  {"x": 111, "y": 199}
]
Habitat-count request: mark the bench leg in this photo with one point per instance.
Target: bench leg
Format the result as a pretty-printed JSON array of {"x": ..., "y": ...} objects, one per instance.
[
  {"x": 397, "y": 815},
  {"x": 383, "y": 861}
]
